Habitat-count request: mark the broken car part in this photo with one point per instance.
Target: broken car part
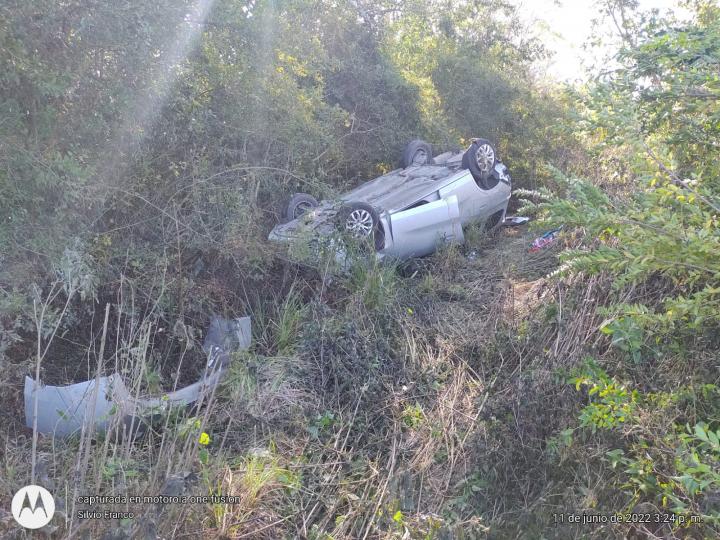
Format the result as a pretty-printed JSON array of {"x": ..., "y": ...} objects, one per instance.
[
  {"x": 62, "y": 410},
  {"x": 514, "y": 221}
]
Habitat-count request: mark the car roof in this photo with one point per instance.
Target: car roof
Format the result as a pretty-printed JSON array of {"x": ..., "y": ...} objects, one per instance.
[{"x": 401, "y": 188}]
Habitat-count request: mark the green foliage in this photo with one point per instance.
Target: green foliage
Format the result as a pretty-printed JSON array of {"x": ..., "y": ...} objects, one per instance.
[
  {"x": 160, "y": 144},
  {"x": 611, "y": 403},
  {"x": 156, "y": 147},
  {"x": 287, "y": 326},
  {"x": 657, "y": 232},
  {"x": 675, "y": 468},
  {"x": 678, "y": 484},
  {"x": 626, "y": 334},
  {"x": 413, "y": 416},
  {"x": 321, "y": 424},
  {"x": 700, "y": 459},
  {"x": 146, "y": 148},
  {"x": 374, "y": 284},
  {"x": 645, "y": 217},
  {"x": 662, "y": 220}
]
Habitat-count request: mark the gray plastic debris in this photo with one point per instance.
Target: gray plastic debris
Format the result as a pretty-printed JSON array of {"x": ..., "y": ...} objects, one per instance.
[
  {"x": 63, "y": 409},
  {"x": 224, "y": 336},
  {"x": 514, "y": 221}
]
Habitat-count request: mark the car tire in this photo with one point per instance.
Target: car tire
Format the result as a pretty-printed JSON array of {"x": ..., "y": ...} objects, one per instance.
[
  {"x": 480, "y": 159},
  {"x": 298, "y": 204},
  {"x": 493, "y": 223},
  {"x": 360, "y": 220},
  {"x": 417, "y": 152}
]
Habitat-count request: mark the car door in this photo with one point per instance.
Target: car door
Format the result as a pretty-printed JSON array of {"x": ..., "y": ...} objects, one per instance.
[{"x": 420, "y": 230}]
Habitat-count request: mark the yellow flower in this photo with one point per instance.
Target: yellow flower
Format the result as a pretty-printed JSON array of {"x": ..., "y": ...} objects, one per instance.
[
  {"x": 204, "y": 439},
  {"x": 410, "y": 311}
]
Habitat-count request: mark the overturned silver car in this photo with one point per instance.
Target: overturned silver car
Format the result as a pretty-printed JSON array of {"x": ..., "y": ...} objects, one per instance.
[{"x": 409, "y": 212}]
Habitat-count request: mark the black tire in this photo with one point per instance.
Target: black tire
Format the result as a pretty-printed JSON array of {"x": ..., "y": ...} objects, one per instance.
[
  {"x": 360, "y": 220},
  {"x": 413, "y": 268},
  {"x": 298, "y": 204},
  {"x": 480, "y": 160},
  {"x": 417, "y": 152},
  {"x": 493, "y": 222}
]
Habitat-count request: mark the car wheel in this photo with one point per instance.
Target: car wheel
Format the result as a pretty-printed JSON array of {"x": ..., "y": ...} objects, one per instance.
[
  {"x": 492, "y": 223},
  {"x": 416, "y": 153},
  {"x": 480, "y": 160},
  {"x": 360, "y": 220},
  {"x": 299, "y": 204}
]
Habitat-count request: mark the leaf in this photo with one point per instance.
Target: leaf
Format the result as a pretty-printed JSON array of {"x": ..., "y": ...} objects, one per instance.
[
  {"x": 714, "y": 439},
  {"x": 700, "y": 433}
]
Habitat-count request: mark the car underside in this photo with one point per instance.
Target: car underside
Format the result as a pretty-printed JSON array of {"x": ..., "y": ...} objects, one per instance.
[{"x": 411, "y": 211}]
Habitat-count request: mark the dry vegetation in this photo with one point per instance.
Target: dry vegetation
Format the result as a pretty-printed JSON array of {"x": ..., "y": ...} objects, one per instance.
[
  {"x": 377, "y": 404},
  {"x": 426, "y": 401},
  {"x": 478, "y": 393}
]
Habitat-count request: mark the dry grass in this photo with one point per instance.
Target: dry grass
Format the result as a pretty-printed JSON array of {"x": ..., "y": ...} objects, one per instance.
[{"x": 395, "y": 408}]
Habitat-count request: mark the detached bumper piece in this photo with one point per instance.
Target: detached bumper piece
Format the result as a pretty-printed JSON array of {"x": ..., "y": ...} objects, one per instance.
[{"x": 95, "y": 404}]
